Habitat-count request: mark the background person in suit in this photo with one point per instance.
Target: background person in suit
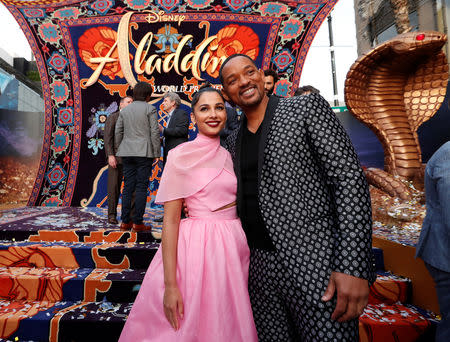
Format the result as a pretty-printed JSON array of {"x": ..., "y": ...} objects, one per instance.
[
  {"x": 305, "y": 207},
  {"x": 137, "y": 138},
  {"x": 177, "y": 123},
  {"x": 115, "y": 172},
  {"x": 434, "y": 241}
]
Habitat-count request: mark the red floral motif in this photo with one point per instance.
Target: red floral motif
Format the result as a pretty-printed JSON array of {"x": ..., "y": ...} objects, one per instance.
[
  {"x": 52, "y": 202},
  {"x": 230, "y": 40},
  {"x": 218, "y": 8},
  {"x": 96, "y": 42}
]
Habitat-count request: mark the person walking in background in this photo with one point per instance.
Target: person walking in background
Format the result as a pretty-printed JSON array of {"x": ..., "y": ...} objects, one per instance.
[
  {"x": 115, "y": 172},
  {"x": 177, "y": 124},
  {"x": 434, "y": 242},
  {"x": 305, "y": 207},
  {"x": 270, "y": 78},
  {"x": 306, "y": 90},
  {"x": 137, "y": 139},
  {"x": 195, "y": 288}
]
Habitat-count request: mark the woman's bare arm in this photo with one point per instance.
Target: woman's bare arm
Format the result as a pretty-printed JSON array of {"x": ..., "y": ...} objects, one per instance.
[{"x": 173, "y": 302}]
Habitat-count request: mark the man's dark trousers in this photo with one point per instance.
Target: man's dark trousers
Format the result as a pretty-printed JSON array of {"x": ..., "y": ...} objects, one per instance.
[
  {"x": 136, "y": 172},
  {"x": 115, "y": 176}
]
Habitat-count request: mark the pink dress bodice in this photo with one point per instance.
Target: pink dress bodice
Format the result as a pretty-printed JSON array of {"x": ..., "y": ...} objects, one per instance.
[
  {"x": 220, "y": 192},
  {"x": 200, "y": 172}
]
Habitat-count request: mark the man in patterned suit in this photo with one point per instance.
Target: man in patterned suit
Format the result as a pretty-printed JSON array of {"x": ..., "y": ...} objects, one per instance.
[{"x": 305, "y": 207}]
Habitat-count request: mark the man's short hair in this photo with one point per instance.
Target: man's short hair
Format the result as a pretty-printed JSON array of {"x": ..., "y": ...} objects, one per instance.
[
  {"x": 141, "y": 91},
  {"x": 173, "y": 97},
  {"x": 229, "y": 58},
  {"x": 123, "y": 98},
  {"x": 307, "y": 89},
  {"x": 273, "y": 73}
]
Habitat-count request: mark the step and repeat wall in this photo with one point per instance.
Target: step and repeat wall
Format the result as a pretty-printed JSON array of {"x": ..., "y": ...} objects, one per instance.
[{"x": 90, "y": 54}]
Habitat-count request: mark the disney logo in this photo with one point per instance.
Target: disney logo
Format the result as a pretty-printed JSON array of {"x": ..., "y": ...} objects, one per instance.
[{"x": 154, "y": 17}]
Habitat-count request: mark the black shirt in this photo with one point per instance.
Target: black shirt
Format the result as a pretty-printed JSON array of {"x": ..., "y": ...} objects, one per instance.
[{"x": 252, "y": 221}]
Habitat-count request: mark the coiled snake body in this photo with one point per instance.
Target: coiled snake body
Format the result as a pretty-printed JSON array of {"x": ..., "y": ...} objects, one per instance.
[{"x": 393, "y": 89}]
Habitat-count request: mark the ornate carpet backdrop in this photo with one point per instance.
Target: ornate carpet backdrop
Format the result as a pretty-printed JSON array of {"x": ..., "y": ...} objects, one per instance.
[{"x": 90, "y": 53}]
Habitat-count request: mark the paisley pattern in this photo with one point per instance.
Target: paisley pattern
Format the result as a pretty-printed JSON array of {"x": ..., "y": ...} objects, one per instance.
[
  {"x": 198, "y": 4},
  {"x": 168, "y": 5}
]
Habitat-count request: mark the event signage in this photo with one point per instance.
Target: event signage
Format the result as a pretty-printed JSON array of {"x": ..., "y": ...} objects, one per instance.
[
  {"x": 196, "y": 61},
  {"x": 91, "y": 53}
]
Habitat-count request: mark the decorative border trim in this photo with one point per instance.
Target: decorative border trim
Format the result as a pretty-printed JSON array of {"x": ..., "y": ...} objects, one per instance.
[{"x": 309, "y": 37}]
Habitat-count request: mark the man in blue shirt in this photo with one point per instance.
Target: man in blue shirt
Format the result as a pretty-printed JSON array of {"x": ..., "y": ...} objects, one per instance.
[{"x": 434, "y": 242}]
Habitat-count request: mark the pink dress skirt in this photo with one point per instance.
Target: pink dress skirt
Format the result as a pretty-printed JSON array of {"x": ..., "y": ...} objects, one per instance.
[{"x": 212, "y": 275}]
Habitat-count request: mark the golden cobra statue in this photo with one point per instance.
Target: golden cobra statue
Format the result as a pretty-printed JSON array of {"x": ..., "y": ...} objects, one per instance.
[{"x": 393, "y": 89}]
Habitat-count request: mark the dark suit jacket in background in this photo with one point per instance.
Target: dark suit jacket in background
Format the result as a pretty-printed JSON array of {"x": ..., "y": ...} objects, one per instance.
[
  {"x": 312, "y": 193},
  {"x": 177, "y": 131},
  {"x": 115, "y": 175},
  {"x": 110, "y": 127},
  {"x": 230, "y": 126}
]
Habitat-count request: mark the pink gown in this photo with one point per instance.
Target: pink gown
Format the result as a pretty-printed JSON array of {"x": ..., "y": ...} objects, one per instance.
[{"x": 212, "y": 260}]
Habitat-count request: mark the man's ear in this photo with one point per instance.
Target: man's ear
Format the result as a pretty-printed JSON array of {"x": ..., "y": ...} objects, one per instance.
[{"x": 225, "y": 95}]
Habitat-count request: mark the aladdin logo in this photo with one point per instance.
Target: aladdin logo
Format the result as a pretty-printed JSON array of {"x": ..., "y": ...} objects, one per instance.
[{"x": 196, "y": 61}]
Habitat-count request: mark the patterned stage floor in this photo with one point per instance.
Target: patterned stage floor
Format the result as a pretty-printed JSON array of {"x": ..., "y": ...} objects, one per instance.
[{"x": 65, "y": 271}]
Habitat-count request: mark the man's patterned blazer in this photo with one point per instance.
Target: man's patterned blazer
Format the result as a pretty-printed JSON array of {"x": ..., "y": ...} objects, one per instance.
[{"x": 312, "y": 193}]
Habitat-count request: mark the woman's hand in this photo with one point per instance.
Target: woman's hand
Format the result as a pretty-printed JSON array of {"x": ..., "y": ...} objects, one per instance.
[{"x": 173, "y": 306}]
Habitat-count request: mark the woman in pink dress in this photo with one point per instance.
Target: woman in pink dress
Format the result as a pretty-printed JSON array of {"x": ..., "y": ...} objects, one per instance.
[{"x": 195, "y": 289}]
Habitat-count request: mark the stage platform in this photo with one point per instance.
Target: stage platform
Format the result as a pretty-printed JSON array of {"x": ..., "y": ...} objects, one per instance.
[
  {"x": 396, "y": 230},
  {"x": 65, "y": 271}
]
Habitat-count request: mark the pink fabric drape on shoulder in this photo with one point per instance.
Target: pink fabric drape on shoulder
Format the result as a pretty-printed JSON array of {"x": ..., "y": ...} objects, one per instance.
[{"x": 190, "y": 167}]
